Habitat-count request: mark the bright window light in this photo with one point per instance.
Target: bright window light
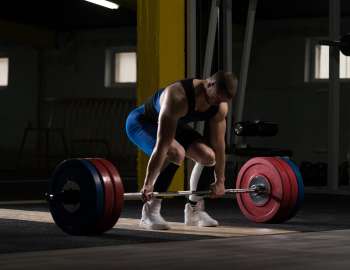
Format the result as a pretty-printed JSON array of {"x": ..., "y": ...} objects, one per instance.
[
  {"x": 344, "y": 72},
  {"x": 322, "y": 63},
  {"x": 125, "y": 67},
  {"x": 4, "y": 71},
  {"x": 104, "y": 3}
]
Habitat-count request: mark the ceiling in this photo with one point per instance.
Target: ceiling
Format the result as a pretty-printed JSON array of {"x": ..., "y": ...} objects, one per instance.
[
  {"x": 64, "y": 15},
  {"x": 282, "y": 9},
  {"x": 67, "y": 14}
]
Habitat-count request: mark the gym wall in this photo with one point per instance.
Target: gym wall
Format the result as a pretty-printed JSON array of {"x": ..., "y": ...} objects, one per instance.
[
  {"x": 276, "y": 89},
  {"x": 71, "y": 66},
  {"x": 18, "y": 101},
  {"x": 77, "y": 67}
]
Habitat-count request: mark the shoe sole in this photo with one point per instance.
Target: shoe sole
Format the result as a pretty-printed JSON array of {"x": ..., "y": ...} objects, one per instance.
[
  {"x": 154, "y": 226},
  {"x": 201, "y": 225}
]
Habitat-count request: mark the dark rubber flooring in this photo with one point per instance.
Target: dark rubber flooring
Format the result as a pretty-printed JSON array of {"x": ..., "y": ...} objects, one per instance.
[{"x": 320, "y": 213}]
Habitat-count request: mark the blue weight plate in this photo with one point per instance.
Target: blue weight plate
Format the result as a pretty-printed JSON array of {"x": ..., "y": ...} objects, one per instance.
[
  {"x": 81, "y": 216},
  {"x": 301, "y": 192}
]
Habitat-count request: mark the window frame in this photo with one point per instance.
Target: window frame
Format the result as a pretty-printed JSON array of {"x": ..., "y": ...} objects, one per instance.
[
  {"x": 110, "y": 67},
  {"x": 3, "y": 55},
  {"x": 310, "y": 62}
]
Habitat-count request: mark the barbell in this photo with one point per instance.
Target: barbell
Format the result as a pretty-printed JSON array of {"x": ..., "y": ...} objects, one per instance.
[{"x": 86, "y": 196}]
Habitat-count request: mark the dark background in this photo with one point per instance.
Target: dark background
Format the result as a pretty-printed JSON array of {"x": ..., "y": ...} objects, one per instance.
[{"x": 57, "y": 51}]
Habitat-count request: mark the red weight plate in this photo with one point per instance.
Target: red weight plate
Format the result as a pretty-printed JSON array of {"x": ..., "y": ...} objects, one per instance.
[
  {"x": 294, "y": 187},
  {"x": 261, "y": 167},
  {"x": 289, "y": 199},
  {"x": 118, "y": 190},
  {"x": 103, "y": 223}
]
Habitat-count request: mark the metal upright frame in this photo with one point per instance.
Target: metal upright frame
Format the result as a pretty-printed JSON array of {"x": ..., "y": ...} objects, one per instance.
[
  {"x": 334, "y": 87},
  {"x": 333, "y": 97},
  {"x": 191, "y": 56},
  {"x": 247, "y": 46},
  {"x": 210, "y": 46},
  {"x": 227, "y": 51},
  {"x": 213, "y": 24},
  {"x": 191, "y": 38},
  {"x": 227, "y": 55}
]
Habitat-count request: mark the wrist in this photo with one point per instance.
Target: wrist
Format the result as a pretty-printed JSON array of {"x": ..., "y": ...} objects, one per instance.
[
  {"x": 220, "y": 180},
  {"x": 147, "y": 182}
]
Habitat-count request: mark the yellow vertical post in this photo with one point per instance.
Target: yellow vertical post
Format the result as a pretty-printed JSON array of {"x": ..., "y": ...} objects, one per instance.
[{"x": 160, "y": 58}]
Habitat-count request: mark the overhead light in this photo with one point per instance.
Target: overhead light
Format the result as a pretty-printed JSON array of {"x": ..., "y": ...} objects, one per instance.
[{"x": 104, "y": 3}]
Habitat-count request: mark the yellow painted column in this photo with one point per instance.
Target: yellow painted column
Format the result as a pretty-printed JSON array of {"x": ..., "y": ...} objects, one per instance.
[{"x": 160, "y": 58}]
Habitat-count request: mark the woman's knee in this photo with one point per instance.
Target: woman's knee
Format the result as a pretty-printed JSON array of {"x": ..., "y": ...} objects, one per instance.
[
  {"x": 203, "y": 154},
  {"x": 208, "y": 157},
  {"x": 176, "y": 155}
]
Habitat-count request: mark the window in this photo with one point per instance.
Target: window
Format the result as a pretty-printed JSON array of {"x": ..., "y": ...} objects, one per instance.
[
  {"x": 125, "y": 67},
  {"x": 120, "y": 67},
  {"x": 4, "y": 71},
  {"x": 344, "y": 61},
  {"x": 321, "y": 61}
]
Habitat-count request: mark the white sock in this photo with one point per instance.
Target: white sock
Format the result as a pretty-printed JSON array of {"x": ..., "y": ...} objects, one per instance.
[{"x": 195, "y": 175}]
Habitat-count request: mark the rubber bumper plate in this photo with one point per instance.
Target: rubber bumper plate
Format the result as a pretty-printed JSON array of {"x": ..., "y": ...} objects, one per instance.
[{"x": 82, "y": 215}]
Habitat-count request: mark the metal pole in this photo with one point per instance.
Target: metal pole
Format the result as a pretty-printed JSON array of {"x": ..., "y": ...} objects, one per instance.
[
  {"x": 248, "y": 39},
  {"x": 191, "y": 54},
  {"x": 209, "y": 51},
  {"x": 334, "y": 97},
  {"x": 191, "y": 37},
  {"x": 227, "y": 55}
]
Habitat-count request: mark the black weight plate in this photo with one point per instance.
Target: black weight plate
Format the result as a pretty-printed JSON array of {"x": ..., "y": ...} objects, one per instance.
[{"x": 79, "y": 218}]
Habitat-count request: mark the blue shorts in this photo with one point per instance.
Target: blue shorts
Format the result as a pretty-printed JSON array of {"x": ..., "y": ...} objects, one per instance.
[{"x": 143, "y": 132}]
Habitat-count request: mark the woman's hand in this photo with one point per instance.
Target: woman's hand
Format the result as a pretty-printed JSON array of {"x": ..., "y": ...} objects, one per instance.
[
  {"x": 217, "y": 189},
  {"x": 147, "y": 192}
]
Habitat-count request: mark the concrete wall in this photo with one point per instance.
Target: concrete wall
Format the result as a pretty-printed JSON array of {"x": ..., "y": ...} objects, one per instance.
[
  {"x": 276, "y": 90},
  {"x": 77, "y": 67},
  {"x": 18, "y": 101},
  {"x": 65, "y": 65}
]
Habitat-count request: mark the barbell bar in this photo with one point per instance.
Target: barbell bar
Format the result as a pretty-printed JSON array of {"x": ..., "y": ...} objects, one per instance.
[
  {"x": 72, "y": 196},
  {"x": 205, "y": 193}
]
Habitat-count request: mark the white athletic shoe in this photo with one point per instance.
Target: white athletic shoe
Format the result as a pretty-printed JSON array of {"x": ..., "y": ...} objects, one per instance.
[
  {"x": 151, "y": 218},
  {"x": 195, "y": 215}
]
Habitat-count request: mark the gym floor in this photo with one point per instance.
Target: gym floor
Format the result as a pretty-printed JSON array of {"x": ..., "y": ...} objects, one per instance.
[{"x": 319, "y": 236}]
